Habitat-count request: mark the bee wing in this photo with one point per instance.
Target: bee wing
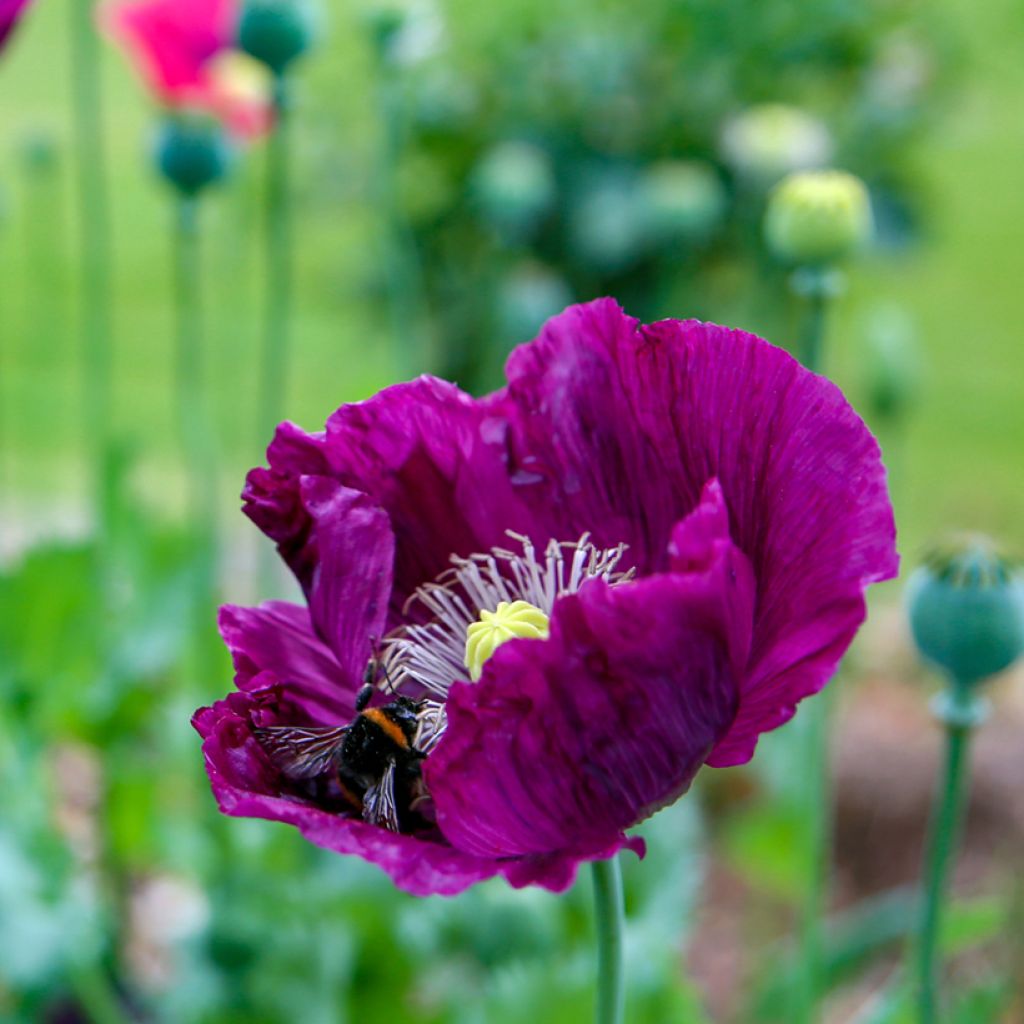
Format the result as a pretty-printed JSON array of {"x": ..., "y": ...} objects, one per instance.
[
  {"x": 433, "y": 719},
  {"x": 302, "y": 752},
  {"x": 379, "y": 806}
]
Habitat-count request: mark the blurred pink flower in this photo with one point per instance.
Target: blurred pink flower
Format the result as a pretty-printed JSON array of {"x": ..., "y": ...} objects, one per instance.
[
  {"x": 184, "y": 50},
  {"x": 10, "y": 12}
]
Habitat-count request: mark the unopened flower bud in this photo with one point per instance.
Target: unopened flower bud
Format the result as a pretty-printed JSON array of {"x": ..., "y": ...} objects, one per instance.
[
  {"x": 681, "y": 200},
  {"x": 818, "y": 217},
  {"x": 192, "y": 152},
  {"x": 966, "y": 607},
  {"x": 276, "y": 32},
  {"x": 769, "y": 140}
]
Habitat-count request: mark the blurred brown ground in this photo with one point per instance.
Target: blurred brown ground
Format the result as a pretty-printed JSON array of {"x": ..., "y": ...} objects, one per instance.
[{"x": 885, "y": 755}]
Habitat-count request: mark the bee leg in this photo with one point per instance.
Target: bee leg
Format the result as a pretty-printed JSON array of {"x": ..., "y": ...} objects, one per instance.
[{"x": 364, "y": 697}]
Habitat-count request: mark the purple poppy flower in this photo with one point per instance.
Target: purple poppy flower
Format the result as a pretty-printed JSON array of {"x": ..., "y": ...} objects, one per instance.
[
  {"x": 672, "y": 526},
  {"x": 10, "y": 12}
]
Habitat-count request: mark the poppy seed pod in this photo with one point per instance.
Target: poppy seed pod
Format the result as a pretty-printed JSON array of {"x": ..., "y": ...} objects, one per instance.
[
  {"x": 766, "y": 141},
  {"x": 276, "y": 32},
  {"x": 966, "y": 608},
  {"x": 818, "y": 217},
  {"x": 192, "y": 153}
]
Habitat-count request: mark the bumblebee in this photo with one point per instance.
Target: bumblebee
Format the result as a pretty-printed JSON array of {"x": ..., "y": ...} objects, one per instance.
[{"x": 375, "y": 758}]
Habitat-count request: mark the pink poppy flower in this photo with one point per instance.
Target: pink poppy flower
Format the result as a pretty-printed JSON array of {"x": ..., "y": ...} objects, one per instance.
[{"x": 184, "y": 50}]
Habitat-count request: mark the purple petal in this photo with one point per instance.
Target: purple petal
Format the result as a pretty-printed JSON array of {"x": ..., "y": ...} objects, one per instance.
[
  {"x": 272, "y": 498},
  {"x": 622, "y": 425},
  {"x": 275, "y": 644},
  {"x": 432, "y": 457},
  {"x": 10, "y": 12},
  {"x": 246, "y": 784},
  {"x": 351, "y": 583},
  {"x": 565, "y": 743}
]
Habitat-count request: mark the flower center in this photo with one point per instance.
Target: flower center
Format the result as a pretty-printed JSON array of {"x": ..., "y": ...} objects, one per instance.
[
  {"x": 511, "y": 620},
  {"x": 483, "y": 601}
]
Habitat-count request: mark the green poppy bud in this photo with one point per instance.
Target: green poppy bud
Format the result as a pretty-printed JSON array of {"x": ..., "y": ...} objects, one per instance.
[
  {"x": 682, "y": 200},
  {"x": 818, "y": 217},
  {"x": 276, "y": 32},
  {"x": 966, "y": 608},
  {"x": 192, "y": 152},
  {"x": 769, "y": 140}
]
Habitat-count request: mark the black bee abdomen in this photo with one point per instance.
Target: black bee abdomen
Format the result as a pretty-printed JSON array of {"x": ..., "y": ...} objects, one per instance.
[{"x": 374, "y": 740}]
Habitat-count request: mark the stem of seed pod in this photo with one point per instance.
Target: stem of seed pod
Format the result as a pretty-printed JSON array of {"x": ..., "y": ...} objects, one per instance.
[
  {"x": 959, "y": 713},
  {"x": 609, "y": 915},
  {"x": 273, "y": 382},
  {"x": 814, "y": 329},
  {"x": 813, "y": 287},
  {"x": 94, "y": 251},
  {"x": 196, "y": 436},
  {"x": 278, "y": 280}
]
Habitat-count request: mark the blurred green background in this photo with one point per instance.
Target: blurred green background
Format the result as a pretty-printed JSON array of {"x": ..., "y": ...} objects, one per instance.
[{"x": 463, "y": 171}]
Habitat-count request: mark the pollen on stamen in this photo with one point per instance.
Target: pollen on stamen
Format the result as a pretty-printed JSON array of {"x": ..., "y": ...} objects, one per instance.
[
  {"x": 515, "y": 620},
  {"x": 430, "y": 657}
]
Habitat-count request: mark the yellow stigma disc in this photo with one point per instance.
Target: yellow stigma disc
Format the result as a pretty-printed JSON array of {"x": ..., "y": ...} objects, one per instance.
[{"x": 509, "y": 621}]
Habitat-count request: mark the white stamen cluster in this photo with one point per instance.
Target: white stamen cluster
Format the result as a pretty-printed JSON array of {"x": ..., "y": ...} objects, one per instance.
[{"x": 432, "y": 655}]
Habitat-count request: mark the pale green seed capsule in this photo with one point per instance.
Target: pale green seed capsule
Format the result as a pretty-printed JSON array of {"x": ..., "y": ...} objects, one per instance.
[{"x": 818, "y": 217}]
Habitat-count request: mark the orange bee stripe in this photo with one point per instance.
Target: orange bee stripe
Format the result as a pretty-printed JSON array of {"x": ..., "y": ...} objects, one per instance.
[{"x": 391, "y": 729}]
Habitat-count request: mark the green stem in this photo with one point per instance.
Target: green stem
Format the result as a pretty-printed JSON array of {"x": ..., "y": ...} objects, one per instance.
[
  {"x": 609, "y": 915},
  {"x": 816, "y": 811},
  {"x": 273, "y": 381},
  {"x": 97, "y": 995},
  {"x": 6, "y": 356},
  {"x": 818, "y": 829},
  {"x": 94, "y": 245},
  {"x": 278, "y": 282},
  {"x": 194, "y": 425},
  {"x": 813, "y": 335},
  {"x": 192, "y": 412},
  {"x": 945, "y": 828}
]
